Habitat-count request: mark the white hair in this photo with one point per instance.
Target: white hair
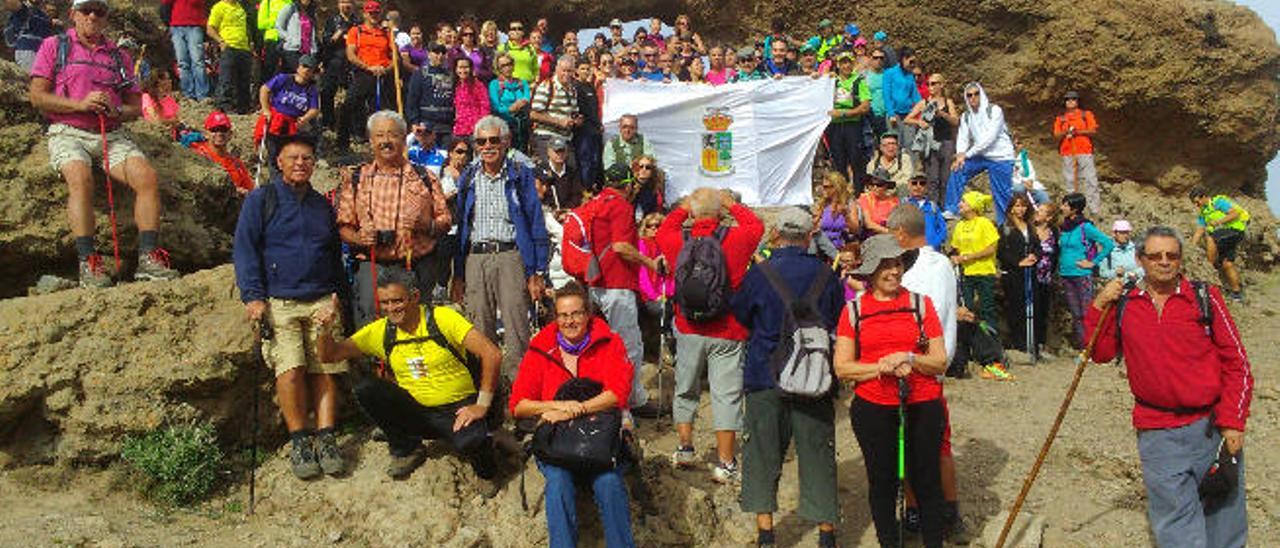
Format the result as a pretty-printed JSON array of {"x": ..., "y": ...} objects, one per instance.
[
  {"x": 490, "y": 123},
  {"x": 387, "y": 115}
]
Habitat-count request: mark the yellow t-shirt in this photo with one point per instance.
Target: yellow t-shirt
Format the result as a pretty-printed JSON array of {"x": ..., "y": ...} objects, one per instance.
[
  {"x": 230, "y": 20},
  {"x": 428, "y": 372},
  {"x": 971, "y": 236}
]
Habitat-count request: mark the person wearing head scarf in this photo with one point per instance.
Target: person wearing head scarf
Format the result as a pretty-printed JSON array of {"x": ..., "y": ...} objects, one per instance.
[
  {"x": 982, "y": 144},
  {"x": 974, "y": 240}
]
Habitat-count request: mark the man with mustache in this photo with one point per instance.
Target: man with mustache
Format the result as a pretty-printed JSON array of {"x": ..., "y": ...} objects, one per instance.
[{"x": 391, "y": 212}]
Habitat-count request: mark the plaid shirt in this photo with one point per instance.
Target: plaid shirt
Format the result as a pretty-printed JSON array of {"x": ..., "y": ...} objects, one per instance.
[
  {"x": 492, "y": 220},
  {"x": 395, "y": 199}
]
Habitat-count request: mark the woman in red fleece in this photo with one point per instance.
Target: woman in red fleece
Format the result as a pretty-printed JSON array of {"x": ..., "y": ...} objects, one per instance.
[{"x": 578, "y": 344}]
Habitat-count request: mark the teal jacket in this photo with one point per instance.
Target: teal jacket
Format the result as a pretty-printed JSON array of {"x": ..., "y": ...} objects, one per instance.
[{"x": 1071, "y": 248}]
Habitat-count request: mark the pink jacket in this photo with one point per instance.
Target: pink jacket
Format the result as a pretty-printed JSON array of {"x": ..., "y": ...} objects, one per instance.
[
  {"x": 470, "y": 104},
  {"x": 652, "y": 286}
]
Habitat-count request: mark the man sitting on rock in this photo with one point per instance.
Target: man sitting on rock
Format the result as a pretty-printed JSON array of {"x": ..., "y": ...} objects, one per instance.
[
  {"x": 288, "y": 264},
  {"x": 433, "y": 395},
  {"x": 982, "y": 144},
  {"x": 216, "y": 149},
  {"x": 85, "y": 86}
]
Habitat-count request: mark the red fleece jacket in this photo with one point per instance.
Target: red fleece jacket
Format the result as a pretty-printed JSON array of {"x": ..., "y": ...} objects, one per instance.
[
  {"x": 1173, "y": 363},
  {"x": 739, "y": 245},
  {"x": 542, "y": 371}
]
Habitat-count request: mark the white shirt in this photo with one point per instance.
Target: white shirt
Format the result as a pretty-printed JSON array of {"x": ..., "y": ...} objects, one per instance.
[{"x": 933, "y": 277}]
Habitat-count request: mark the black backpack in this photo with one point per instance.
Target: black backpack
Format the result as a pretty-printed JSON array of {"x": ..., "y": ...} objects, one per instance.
[
  {"x": 702, "y": 277},
  {"x": 434, "y": 335},
  {"x": 801, "y": 363}
]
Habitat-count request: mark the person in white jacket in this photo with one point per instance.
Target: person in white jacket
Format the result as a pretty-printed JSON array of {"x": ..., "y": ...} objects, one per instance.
[{"x": 982, "y": 144}]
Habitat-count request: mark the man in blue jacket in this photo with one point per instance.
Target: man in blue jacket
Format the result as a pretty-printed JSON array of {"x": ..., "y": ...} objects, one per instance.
[
  {"x": 288, "y": 265},
  {"x": 771, "y": 418},
  {"x": 504, "y": 246},
  {"x": 429, "y": 100}
]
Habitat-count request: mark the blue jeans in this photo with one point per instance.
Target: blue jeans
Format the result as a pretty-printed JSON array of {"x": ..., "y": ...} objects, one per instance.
[
  {"x": 188, "y": 48},
  {"x": 1174, "y": 460},
  {"x": 1001, "y": 175},
  {"x": 562, "y": 515}
]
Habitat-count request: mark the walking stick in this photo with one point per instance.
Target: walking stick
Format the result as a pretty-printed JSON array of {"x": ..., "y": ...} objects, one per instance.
[
  {"x": 1081, "y": 361},
  {"x": 395, "y": 71},
  {"x": 662, "y": 347},
  {"x": 904, "y": 390},
  {"x": 261, "y": 161},
  {"x": 1027, "y": 279},
  {"x": 1075, "y": 173},
  {"x": 265, "y": 333},
  {"x": 111, "y": 201}
]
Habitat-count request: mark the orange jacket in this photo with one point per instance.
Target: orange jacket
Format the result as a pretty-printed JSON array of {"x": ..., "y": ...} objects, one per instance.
[{"x": 1079, "y": 119}]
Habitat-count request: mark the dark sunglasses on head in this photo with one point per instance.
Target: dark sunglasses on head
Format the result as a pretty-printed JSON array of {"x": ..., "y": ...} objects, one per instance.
[
  {"x": 1164, "y": 255},
  {"x": 483, "y": 141},
  {"x": 100, "y": 11}
]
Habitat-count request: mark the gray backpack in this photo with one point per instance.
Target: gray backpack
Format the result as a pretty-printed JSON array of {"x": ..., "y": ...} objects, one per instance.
[{"x": 801, "y": 363}]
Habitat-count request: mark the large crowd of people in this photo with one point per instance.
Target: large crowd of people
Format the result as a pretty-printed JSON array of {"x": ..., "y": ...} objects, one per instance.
[{"x": 502, "y": 258}]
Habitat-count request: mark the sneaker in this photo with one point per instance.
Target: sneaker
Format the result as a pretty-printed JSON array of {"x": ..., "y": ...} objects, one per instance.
[
  {"x": 330, "y": 458},
  {"x": 401, "y": 467},
  {"x": 154, "y": 266},
  {"x": 956, "y": 533},
  {"x": 996, "y": 371},
  {"x": 93, "y": 272},
  {"x": 303, "y": 459},
  {"x": 1237, "y": 297},
  {"x": 726, "y": 472},
  {"x": 684, "y": 457}
]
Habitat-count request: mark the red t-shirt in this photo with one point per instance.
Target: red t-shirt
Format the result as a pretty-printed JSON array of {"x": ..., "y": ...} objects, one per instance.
[
  {"x": 614, "y": 221},
  {"x": 886, "y": 333}
]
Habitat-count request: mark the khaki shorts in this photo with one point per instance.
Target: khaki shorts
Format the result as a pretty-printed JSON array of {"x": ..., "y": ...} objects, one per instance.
[
  {"x": 294, "y": 344},
  {"x": 70, "y": 144}
]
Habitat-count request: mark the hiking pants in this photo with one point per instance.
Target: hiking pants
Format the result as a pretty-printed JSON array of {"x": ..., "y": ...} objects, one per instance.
[
  {"x": 496, "y": 283},
  {"x": 770, "y": 422},
  {"x": 979, "y": 295},
  {"x": 876, "y": 427},
  {"x": 188, "y": 50},
  {"x": 1014, "y": 283},
  {"x": 1044, "y": 305},
  {"x": 1078, "y": 292},
  {"x": 1174, "y": 460},
  {"x": 588, "y": 148},
  {"x": 233, "y": 80},
  {"x": 618, "y": 306},
  {"x": 335, "y": 76},
  {"x": 937, "y": 167},
  {"x": 844, "y": 142},
  {"x": 562, "y": 512},
  {"x": 363, "y": 100},
  {"x": 407, "y": 422},
  {"x": 999, "y": 172},
  {"x": 1081, "y": 176},
  {"x": 721, "y": 361}
]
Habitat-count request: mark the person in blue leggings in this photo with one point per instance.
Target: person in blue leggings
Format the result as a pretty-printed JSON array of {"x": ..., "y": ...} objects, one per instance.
[{"x": 982, "y": 144}]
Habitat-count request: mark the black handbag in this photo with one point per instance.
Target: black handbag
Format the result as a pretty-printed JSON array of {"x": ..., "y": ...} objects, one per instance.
[{"x": 587, "y": 444}]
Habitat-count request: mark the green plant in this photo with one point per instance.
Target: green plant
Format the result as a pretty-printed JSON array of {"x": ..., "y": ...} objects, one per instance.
[{"x": 178, "y": 465}]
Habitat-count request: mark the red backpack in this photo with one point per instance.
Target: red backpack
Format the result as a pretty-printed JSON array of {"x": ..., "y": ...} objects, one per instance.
[{"x": 577, "y": 256}]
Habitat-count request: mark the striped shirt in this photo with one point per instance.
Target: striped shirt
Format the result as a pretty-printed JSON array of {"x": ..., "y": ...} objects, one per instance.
[
  {"x": 492, "y": 220},
  {"x": 555, "y": 99},
  {"x": 395, "y": 199}
]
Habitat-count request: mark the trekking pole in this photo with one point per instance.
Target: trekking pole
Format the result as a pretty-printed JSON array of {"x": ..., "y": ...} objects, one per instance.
[
  {"x": 395, "y": 71},
  {"x": 265, "y": 333},
  {"x": 377, "y": 93},
  {"x": 1081, "y": 361},
  {"x": 261, "y": 161},
  {"x": 1027, "y": 279},
  {"x": 904, "y": 390},
  {"x": 1075, "y": 173},
  {"x": 662, "y": 344},
  {"x": 111, "y": 201}
]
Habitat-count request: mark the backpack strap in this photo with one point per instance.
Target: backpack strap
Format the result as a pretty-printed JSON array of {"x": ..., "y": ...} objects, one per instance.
[
  {"x": 775, "y": 280},
  {"x": 1206, "y": 306},
  {"x": 433, "y": 335},
  {"x": 855, "y": 316}
]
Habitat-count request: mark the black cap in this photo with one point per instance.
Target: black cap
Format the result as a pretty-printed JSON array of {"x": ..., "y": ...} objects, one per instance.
[
  {"x": 1073, "y": 94},
  {"x": 308, "y": 61},
  {"x": 618, "y": 174}
]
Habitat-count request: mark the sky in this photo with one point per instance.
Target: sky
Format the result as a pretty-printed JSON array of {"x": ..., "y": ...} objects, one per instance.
[{"x": 1270, "y": 12}]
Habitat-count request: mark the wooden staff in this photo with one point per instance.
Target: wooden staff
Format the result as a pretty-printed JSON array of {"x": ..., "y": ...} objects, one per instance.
[{"x": 395, "y": 69}]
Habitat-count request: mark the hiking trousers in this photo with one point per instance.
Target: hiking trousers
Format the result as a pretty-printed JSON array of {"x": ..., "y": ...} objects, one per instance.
[
  {"x": 876, "y": 427},
  {"x": 233, "y": 80},
  {"x": 720, "y": 360},
  {"x": 1081, "y": 176},
  {"x": 620, "y": 311},
  {"x": 407, "y": 422},
  {"x": 496, "y": 283},
  {"x": 1078, "y": 292},
  {"x": 979, "y": 294},
  {"x": 844, "y": 142},
  {"x": 770, "y": 422},
  {"x": 999, "y": 172},
  {"x": 1174, "y": 460},
  {"x": 561, "y": 507}
]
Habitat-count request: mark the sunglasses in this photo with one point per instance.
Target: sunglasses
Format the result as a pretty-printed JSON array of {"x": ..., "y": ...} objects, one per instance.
[
  {"x": 974, "y": 94},
  {"x": 516, "y": 27},
  {"x": 935, "y": 83},
  {"x": 918, "y": 183},
  {"x": 100, "y": 11},
  {"x": 485, "y": 141},
  {"x": 222, "y": 129},
  {"x": 877, "y": 57},
  {"x": 652, "y": 225},
  {"x": 644, "y": 166},
  {"x": 1168, "y": 256},
  {"x": 461, "y": 150}
]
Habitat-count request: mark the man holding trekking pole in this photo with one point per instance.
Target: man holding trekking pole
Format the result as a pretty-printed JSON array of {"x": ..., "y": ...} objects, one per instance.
[
  {"x": 84, "y": 84},
  {"x": 1074, "y": 130},
  {"x": 1192, "y": 384},
  {"x": 289, "y": 265},
  {"x": 372, "y": 88}
]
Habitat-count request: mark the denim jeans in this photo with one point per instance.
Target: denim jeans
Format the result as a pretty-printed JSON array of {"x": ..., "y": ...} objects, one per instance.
[
  {"x": 1174, "y": 460},
  {"x": 562, "y": 514},
  {"x": 188, "y": 49},
  {"x": 1001, "y": 175}
]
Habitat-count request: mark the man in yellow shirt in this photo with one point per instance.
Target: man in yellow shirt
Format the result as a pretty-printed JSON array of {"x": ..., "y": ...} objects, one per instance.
[
  {"x": 228, "y": 25},
  {"x": 433, "y": 395}
]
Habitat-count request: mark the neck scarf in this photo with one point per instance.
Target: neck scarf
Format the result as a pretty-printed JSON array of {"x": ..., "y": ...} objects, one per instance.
[{"x": 572, "y": 348}]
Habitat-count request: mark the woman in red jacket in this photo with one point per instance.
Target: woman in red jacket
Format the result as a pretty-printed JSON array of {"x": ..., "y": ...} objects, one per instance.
[{"x": 577, "y": 345}]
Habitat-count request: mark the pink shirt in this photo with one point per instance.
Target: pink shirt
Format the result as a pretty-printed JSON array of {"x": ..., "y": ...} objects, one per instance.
[
  {"x": 720, "y": 77},
  {"x": 153, "y": 111},
  {"x": 470, "y": 104},
  {"x": 85, "y": 71}
]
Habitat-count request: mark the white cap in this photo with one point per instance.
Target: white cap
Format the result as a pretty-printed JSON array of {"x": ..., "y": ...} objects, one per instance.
[{"x": 1121, "y": 225}]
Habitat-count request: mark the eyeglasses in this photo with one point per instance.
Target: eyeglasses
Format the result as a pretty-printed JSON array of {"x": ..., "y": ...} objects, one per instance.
[
  {"x": 304, "y": 158},
  {"x": 973, "y": 94},
  {"x": 1166, "y": 256},
  {"x": 485, "y": 141},
  {"x": 100, "y": 11},
  {"x": 575, "y": 315},
  {"x": 460, "y": 150}
]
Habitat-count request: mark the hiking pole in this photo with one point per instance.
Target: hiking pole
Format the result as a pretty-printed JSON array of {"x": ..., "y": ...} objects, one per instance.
[
  {"x": 1029, "y": 295},
  {"x": 1081, "y": 361},
  {"x": 261, "y": 161},
  {"x": 377, "y": 93},
  {"x": 111, "y": 201},
  {"x": 904, "y": 390},
  {"x": 662, "y": 345},
  {"x": 395, "y": 71},
  {"x": 1075, "y": 173},
  {"x": 265, "y": 333}
]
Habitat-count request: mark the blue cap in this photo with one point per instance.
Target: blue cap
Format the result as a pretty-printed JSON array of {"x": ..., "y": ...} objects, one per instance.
[
  {"x": 880, "y": 36},
  {"x": 852, "y": 29}
]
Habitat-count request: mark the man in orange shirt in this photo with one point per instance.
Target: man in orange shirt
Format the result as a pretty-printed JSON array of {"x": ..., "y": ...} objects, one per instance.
[
  {"x": 1074, "y": 130},
  {"x": 369, "y": 56}
]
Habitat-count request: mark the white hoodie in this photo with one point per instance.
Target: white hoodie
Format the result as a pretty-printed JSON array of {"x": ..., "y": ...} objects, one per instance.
[{"x": 983, "y": 132}]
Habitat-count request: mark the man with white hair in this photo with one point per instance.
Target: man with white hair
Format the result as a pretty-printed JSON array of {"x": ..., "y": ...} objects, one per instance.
[
  {"x": 503, "y": 256},
  {"x": 390, "y": 212},
  {"x": 555, "y": 108}
]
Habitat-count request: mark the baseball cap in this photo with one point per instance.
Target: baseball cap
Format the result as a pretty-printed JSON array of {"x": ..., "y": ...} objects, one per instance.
[
  {"x": 794, "y": 221},
  {"x": 880, "y": 36},
  {"x": 825, "y": 23},
  {"x": 1121, "y": 225},
  {"x": 615, "y": 22},
  {"x": 808, "y": 49},
  {"x": 1073, "y": 94},
  {"x": 217, "y": 119},
  {"x": 844, "y": 55},
  {"x": 618, "y": 174},
  {"x": 78, "y": 3},
  {"x": 746, "y": 52},
  {"x": 557, "y": 143},
  {"x": 308, "y": 61},
  {"x": 859, "y": 42},
  {"x": 852, "y": 29},
  {"x": 372, "y": 7}
]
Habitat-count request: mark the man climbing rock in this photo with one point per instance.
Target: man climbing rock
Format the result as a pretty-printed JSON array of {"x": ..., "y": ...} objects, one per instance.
[{"x": 1225, "y": 222}]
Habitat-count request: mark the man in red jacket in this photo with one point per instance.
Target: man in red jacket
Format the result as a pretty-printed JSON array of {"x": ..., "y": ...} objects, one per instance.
[
  {"x": 714, "y": 347},
  {"x": 186, "y": 28},
  {"x": 1192, "y": 384}
]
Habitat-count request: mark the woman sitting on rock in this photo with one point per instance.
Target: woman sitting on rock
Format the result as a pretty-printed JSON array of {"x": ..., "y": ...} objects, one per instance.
[{"x": 578, "y": 345}]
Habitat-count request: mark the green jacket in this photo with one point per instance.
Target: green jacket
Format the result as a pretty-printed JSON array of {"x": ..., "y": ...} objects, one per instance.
[{"x": 268, "y": 12}]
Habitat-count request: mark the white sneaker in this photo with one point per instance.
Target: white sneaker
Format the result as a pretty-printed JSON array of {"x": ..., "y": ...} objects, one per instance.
[
  {"x": 726, "y": 473},
  {"x": 684, "y": 457}
]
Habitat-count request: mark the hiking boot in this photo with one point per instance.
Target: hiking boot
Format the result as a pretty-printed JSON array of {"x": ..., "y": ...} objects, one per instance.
[
  {"x": 330, "y": 458},
  {"x": 765, "y": 539},
  {"x": 1237, "y": 297},
  {"x": 402, "y": 467},
  {"x": 956, "y": 533},
  {"x": 684, "y": 457},
  {"x": 154, "y": 266},
  {"x": 93, "y": 272},
  {"x": 911, "y": 521},
  {"x": 649, "y": 410},
  {"x": 996, "y": 371},
  {"x": 302, "y": 458},
  {"x": 726, "y": 473}
]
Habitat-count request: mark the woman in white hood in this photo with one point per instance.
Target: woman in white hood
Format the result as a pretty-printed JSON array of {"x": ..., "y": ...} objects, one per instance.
[{"x": 982, "y": 144}]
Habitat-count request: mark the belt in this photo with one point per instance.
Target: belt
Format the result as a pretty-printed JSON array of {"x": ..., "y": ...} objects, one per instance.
[{"x": 491, "y": 247}]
